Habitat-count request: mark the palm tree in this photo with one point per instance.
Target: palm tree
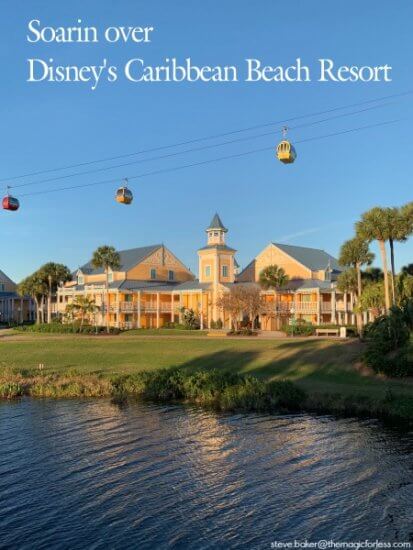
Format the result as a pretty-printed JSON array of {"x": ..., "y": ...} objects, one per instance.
[
  {"x": 35, "y": 287},
  {"x": 355, "y": 253},
  {"x": 273, "y": 277},
  {"x": 52, "y": 275},
  {"x": 108, "y": 258},
  {"x": 82, "y": 306},
  {"x": 376, "y": 225},
  {"x": 400, "y": 229},
  {"x": 347, "y": 284}
]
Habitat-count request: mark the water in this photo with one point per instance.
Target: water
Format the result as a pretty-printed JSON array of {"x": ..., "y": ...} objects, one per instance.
[{"x": 88, "y": 474}]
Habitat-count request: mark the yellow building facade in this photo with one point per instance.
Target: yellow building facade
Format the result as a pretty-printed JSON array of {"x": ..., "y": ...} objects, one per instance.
[
  {"x": 14, "y": 309},
  {"x": 153, "y": 287}
]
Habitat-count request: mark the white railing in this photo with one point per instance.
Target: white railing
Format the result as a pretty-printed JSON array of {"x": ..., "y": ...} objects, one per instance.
[{"x": 306, "y": 307}]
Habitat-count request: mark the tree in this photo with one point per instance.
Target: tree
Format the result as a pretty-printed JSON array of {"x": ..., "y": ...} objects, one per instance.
[
  {"x": 82, "y": 306},
  {"x": 407, "y": 269},
  {"x": 106, "y": 257},
  {"x": 372, "y": 298},
  {"x": 347, "y": 281},
  {"x": 52, "y": 275},
  {"x": 399, "y": 230},
  {"x": 404, "y": 285},
  {"x": 273, "y": 277},
  {"x": 376, "y": 225},
  {"x": 355, "y": 253},
  {"x": 372, "y": 275},
  {"x": 35, "y": 287},
  {"x": 239, "y": 300}
]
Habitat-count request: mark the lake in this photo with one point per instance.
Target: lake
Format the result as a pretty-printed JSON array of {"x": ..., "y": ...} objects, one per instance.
[{"x": 91, "y": 474}]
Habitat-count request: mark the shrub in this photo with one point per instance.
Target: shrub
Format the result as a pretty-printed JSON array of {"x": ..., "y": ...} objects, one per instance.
[
  {"x": 59, "y": 328},
  {"x": 388, "y": 344},
  {"x": 299, "y": 330},
  {"x": 243, "y": 331},
  {"x": 10, "y": 390},
  {"x": 218, "y": 325}
]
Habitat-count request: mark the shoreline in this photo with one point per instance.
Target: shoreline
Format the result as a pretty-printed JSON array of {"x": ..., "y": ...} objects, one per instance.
[{"x": 219, "y": 390}]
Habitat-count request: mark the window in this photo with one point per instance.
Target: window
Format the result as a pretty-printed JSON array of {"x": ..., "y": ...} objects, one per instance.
[
  {"x": 216, "y": 234},
  {"x": 2, "y": 287},
  {"x": 225, "y": 271},
  {"x": 80, "y": 280},
  {"x": 153, "y": 273},
  {"x": 128, "y": 298},
  {"x": 171, "y": 275},
  {"x": 110, "y": 277},
  {"x": 207, "y": 271}
]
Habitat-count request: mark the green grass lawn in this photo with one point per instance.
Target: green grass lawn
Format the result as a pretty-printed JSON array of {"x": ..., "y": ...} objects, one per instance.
[{"x": 316, "y": 365}]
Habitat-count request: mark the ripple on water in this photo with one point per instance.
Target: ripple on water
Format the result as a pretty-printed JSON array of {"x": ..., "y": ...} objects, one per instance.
[{"x": 91, "y": 474}]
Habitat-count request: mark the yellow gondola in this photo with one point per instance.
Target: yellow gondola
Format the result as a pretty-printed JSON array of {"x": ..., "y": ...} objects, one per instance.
[
  {"x": 124, "y": 195},
  {"x": 285, "y": 150}
]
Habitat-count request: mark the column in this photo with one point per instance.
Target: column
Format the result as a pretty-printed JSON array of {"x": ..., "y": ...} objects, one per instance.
[
  {"x": 333, "y": 307},
  {"x": 158, "y": 305},
  {"x": 319, "y": 298},
  {"x": 21, "y": 311},
  {"x": 201, "y": 313},
  {"x": 172, "y": 308},
  {"x": 345, "y": 309},
  {"x": 139, "y": 309},
  {"x": 180, "y": 308}
]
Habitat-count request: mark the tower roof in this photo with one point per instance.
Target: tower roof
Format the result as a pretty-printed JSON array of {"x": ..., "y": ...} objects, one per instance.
[{"x": 216, "y": 223}]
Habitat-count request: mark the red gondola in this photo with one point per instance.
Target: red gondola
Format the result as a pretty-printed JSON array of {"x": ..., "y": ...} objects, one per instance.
[{"x": 10, "y": 203}]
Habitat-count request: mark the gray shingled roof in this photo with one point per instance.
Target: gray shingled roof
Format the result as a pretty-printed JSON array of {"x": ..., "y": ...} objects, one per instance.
[
  {"x": 4, "y": 278},
  {"x": 313, "y": 258},
  {"x": 128, "y": 259},
  {"x": 193, "y": 285},
  {"x": 216, "y": 223}
]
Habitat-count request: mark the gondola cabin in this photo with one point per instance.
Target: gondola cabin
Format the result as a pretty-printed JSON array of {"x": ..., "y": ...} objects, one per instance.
[
  {"x": 124, "y": 195},
  {"x": 10, "y": 203},
  {"x": 286, "y": 152}
]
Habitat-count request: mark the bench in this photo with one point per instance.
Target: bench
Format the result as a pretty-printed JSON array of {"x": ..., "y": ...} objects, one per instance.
[{"x": 327, "y": 331}]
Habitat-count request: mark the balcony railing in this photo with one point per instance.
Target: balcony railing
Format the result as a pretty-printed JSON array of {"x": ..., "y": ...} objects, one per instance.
[
  {"x": 145, "y": 307},
  {"x": 306, "y": 307}
]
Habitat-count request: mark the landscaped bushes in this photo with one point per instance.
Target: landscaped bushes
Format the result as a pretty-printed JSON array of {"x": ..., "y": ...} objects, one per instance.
[
  {"x": 59, "y": 328},
  {"x": 388, "y": 339},
  {"x": 221, "y": 390},
  {"x": 244, "y": 331},
  {"x": 300, "y": 329}
]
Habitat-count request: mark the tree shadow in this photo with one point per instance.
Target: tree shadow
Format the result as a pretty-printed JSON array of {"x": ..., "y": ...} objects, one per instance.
[{"x": 229, "y": 360}]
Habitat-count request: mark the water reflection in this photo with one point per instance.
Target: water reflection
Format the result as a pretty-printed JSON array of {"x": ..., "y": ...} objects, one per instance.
[{"x": 91, "y": 474}]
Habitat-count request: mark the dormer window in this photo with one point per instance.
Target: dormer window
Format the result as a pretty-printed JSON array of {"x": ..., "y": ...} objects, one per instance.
[
  {"x": 207, "y": 271},
  {"x": 225, "y": 271},
  {"x": 153, "y": 273},
  {"x": 80, "y": 280},
  {"x": 110, "y": 277},
  {"x": 171, "y": 275}
]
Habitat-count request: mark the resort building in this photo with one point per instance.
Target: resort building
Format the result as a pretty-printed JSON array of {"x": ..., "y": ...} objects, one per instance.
[
  {"x": 153, "y": 287},
  {"x": 14, "y": 308}
]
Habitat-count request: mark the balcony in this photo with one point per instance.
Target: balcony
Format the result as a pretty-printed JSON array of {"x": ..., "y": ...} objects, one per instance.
[
  {"x": 146, "y": 307},
  {"x": 306, "y": 307},
  {"x": 326, "y": 307}
]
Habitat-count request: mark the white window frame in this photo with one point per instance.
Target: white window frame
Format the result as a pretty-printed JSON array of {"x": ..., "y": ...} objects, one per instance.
[{"x": 225, "y": 271}]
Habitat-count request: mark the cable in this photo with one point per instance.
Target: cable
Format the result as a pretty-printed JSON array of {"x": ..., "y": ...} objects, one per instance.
[
  {"x": 202, "y": 148},
  {"x": 209, "y": 161},
  {"x": 205, "y": 138}
]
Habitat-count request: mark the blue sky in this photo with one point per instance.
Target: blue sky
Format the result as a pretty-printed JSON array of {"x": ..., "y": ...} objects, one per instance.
[{"x": 311, "y": 203}]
